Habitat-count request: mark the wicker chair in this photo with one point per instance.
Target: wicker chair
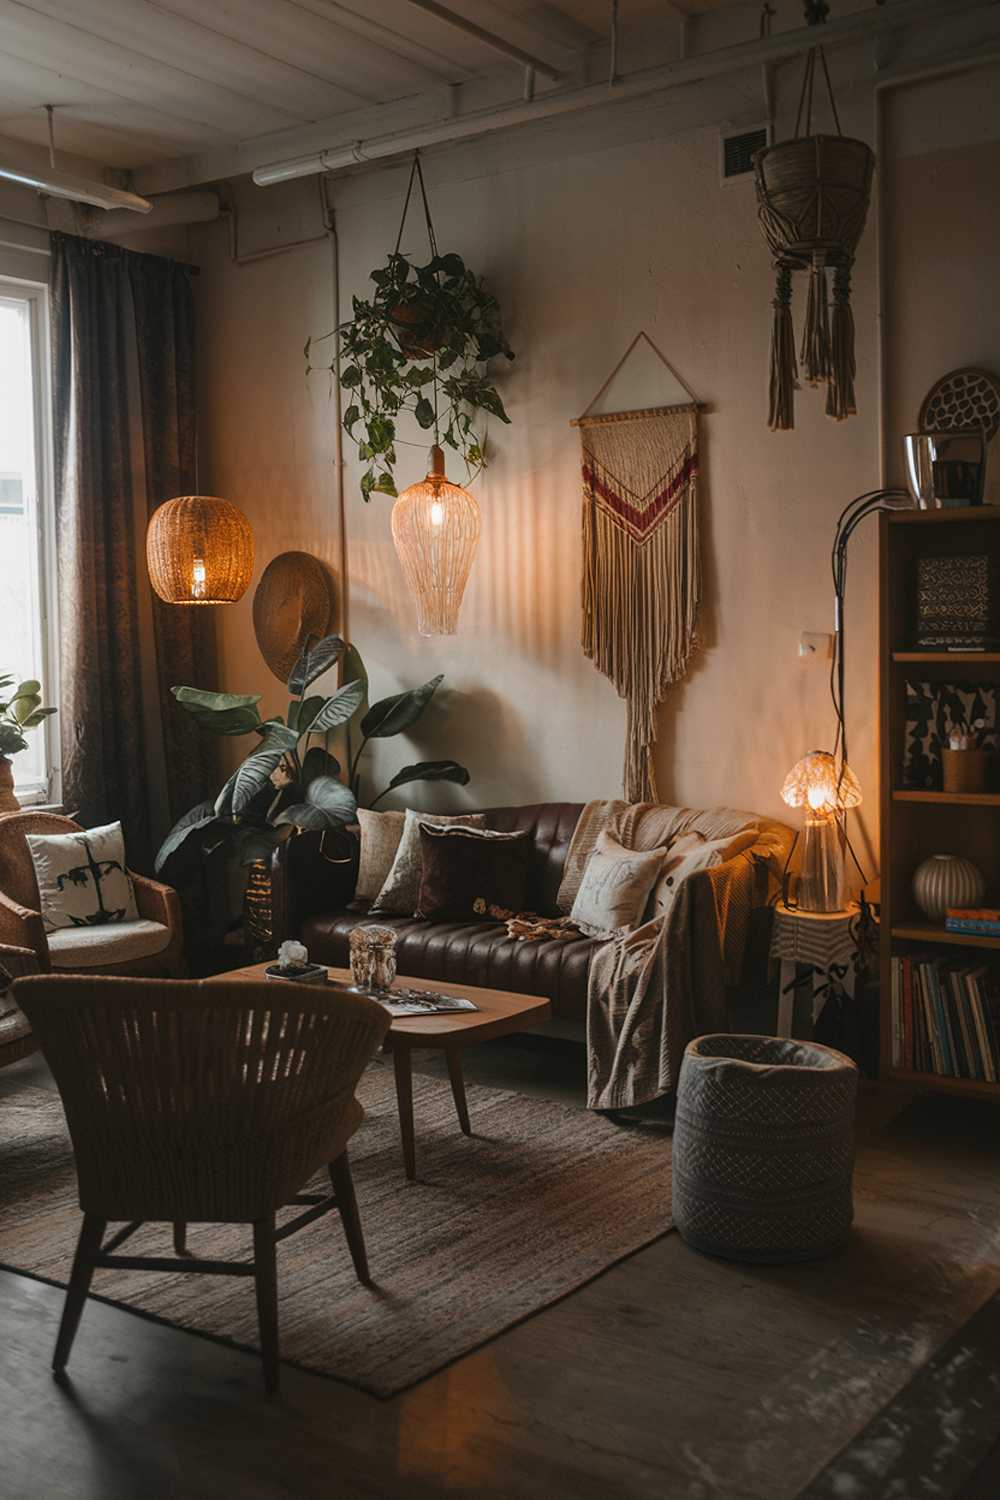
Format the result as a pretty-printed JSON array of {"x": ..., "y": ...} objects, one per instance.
[
  {"x": 16, "y": 1037},
  {"x": 153, "y": 946},
  {"x": 210, "y": 1101}
]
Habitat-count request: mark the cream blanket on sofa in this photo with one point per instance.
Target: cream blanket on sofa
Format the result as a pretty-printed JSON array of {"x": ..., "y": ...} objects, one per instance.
[{"x": 652, "y": 990}]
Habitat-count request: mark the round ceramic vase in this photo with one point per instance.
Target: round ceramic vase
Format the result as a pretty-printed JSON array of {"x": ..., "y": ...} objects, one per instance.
[{"x": 946, "y": 880}]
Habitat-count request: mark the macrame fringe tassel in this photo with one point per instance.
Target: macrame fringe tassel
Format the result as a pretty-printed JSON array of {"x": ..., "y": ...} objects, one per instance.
[
  {"x": 640, "y": 615},
  {"x": 816, "y": 331},
  {"x": 840, "y": 401},
  {"x": 784, "y": 368}
]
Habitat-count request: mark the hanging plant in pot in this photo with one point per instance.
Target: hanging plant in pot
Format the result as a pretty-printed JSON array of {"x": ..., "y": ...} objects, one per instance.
[
  {"x": 419, "y": 347},
  {"x": 812, "y": 199}
]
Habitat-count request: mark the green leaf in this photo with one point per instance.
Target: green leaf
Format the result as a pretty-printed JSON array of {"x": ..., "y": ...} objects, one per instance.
[
  {"x": 247, "y": 782},
  {"x": 385, "y": 485},
  {"x": 318, "y": 762},
  {"x": 431, "y": 770},
  {"x": 186, "y": 827},
  {"x": 396, "y": 714},
  {"x": 343, "y": 705},
  {"x": 28, "y": 689},
  {"x": 279, "y": 737},
  {"x": 381, "y": 432},
  {"x": 23, "y": 706},
  {"x": 220, "y": 713},
  {"x": 303, "y": 815},
  {"x": 350, "y": 377},
  {"x": 38, "y": 716},
  {"x": 313, "y": 662},
  {"x": 301, "y": 713},
  {"x": 419, "y": 375},
  {"x": 352, "y": 415},
  {"x": 424, "y": 412},
  {"x": 254, "y": 844},
  {"x": 333, "y": 798}
]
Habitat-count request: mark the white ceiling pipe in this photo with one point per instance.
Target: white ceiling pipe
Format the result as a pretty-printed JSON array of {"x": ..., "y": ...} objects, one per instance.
[
  {"x": 687, "y": 70},
  {"x": 170, "y": 209}
]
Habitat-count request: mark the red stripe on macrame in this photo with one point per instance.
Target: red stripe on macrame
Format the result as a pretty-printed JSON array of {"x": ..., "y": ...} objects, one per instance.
[{"x": 642, "y": 521}]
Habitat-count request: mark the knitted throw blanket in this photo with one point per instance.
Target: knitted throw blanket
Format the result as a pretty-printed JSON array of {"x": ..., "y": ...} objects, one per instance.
[{"x": 650, "y": 991}]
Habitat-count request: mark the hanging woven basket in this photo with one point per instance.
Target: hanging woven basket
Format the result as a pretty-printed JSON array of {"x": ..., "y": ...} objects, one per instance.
[{"x": 812, "y": 202}]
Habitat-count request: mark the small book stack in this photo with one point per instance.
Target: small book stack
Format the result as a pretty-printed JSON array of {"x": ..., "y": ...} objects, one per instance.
[
  {"x": 984, "y": 920},
  {"x": 945, "y": 1018}
]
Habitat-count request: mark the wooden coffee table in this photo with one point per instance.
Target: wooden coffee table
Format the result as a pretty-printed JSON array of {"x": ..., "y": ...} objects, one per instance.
[{"x": 500, "y": 1013}]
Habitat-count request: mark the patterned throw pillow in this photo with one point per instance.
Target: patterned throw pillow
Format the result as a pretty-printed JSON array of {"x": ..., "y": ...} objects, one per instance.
[
  {"x": 398, "y": 896},
  {"x": 380, "y": 836},
  {"x": 686, "y": 856},
  {"x": 82, "y": 879},
  {"x": 615, "y": 887},
  {"x": 471, "y": 873}
]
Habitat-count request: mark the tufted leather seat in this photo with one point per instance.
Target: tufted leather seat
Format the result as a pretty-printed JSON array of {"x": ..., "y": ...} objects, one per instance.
[{"x": 314, "y": 885}]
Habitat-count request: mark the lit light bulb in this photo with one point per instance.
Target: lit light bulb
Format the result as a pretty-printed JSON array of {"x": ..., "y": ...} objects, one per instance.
[
  {"x": 819, "y": 796},
  {"x": 198, "y": 578},
  {"x": 437, "y": 513}
]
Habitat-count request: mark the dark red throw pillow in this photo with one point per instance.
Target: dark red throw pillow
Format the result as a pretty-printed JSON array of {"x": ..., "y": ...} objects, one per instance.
[{"x": 471, "y": 873}]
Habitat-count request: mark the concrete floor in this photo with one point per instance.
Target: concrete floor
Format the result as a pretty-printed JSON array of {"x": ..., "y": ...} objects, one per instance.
[{"x": 673, "y": 1375}]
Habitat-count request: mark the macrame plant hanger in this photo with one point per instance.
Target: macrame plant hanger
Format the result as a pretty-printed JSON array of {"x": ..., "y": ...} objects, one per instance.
[
  {"x": 641, "y": 587},
  {"x": 812, "y": 194}
]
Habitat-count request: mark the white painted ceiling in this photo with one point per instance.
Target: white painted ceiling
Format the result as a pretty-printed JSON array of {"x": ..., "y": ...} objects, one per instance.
[{"x": 139, "y": 82}]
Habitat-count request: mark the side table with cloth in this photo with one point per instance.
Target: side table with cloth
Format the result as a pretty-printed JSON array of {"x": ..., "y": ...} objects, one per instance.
[{"x": 820, "y": 939}]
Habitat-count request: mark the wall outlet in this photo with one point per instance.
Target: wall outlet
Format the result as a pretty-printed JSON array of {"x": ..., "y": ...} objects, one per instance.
[{"x": 816, "y": 644}]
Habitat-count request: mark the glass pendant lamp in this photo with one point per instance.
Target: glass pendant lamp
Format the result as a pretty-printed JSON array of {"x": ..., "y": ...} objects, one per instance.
[
  {"x": 199, "y": 550},
  {"x": 435, "y": 526}
]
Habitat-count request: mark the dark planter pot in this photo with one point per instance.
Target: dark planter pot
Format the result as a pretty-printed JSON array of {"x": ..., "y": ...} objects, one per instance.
[{"x": 414, "y": 329}]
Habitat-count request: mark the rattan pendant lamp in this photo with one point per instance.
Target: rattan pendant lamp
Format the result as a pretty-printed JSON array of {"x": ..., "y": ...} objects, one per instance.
[{"x": 199, "y": 550}]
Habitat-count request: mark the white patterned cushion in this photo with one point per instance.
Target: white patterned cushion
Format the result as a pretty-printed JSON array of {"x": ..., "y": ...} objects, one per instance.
[
  {"x": 401, "y": 889},
  {"x": 82, "y": 879},
  {"x": 114, "y": 943},
  {"x": 380, "y": 836},
  {"x": 615, "y": 887}
]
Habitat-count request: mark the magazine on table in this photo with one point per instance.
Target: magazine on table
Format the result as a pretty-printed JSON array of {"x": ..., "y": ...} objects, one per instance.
[{"x": 405, "y": 1001}]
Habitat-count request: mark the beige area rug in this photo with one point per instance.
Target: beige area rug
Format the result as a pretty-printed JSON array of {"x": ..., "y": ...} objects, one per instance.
[{"x": 540, "y": 1200}]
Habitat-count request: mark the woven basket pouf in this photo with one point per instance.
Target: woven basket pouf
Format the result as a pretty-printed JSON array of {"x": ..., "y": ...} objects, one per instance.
[{"x": 764, "y": 1148}]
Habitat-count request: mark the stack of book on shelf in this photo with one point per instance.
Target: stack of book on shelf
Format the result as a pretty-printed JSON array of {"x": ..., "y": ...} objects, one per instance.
[
  {"x": 984, "y": 920},
  {"x": 945, "y": 1017}
]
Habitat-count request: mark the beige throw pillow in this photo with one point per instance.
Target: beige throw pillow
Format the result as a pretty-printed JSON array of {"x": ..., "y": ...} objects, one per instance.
[
  {"x": 686, "y": 856},
  {"x": 401, "y": 888},
  {"x": 380, "y": 836},
  {"x": 615, "y": 887},
  {"x": 82, "y": 879}
]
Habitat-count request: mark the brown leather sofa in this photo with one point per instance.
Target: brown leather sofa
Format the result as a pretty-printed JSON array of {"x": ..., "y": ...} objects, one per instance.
[{"x": 313, "y": 885}]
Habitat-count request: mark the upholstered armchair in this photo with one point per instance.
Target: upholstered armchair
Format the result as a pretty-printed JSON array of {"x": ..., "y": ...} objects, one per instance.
[
  {"x": 16, "y": 1037},
  {"x": 152, "y": 946}
]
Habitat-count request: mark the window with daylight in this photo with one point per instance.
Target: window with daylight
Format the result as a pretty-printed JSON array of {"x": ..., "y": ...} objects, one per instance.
[{"x": 27, "y": 635}]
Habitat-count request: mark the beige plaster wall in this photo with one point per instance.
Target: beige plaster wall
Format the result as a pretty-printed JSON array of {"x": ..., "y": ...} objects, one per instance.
[{"x": 584, "y": 247}]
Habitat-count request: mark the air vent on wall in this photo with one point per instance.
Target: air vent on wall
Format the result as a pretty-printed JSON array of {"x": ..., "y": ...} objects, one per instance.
[{"x": 737, "y": 151}]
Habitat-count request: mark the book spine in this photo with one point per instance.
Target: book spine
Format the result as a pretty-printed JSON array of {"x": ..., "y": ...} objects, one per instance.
[
  {"x": 930, "y": 1021},
  {"x": 895, "y": 1013},
  {"x": 908, "y": 1038},
  {"x": 963, "y": 1031},
  {"x": 974, "y": 997},
  {"x": 973, "y": 925}
]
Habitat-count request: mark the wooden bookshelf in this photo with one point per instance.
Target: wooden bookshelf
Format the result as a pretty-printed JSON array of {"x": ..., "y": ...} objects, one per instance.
[{"x": 914, "y": 823}]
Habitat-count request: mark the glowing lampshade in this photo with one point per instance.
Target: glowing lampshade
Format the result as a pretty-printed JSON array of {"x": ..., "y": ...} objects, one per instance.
[
  {"x": 199, "y": 550},
  {"x": 824, "y": 790},
  {"x": 435, "y": 526}
]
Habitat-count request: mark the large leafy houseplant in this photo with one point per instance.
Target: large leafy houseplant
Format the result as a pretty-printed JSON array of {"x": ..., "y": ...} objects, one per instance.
[
  {"x": 291, "y": 781},
  {"x": 419, "y": 345}
]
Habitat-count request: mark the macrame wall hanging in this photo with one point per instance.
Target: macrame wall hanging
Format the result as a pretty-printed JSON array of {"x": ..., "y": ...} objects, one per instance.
[
  {"x": 812, "y": 200},
  {"x": 641, "y": 559}
]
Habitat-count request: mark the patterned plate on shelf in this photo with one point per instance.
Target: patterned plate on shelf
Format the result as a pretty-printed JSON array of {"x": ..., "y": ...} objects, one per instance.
[{"x": 964, "y": 400}]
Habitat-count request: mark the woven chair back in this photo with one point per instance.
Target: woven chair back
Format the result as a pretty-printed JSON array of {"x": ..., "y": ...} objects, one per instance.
[
  {"x": 17, "y": 873},
  {"x": 210, "y": 1100}
]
